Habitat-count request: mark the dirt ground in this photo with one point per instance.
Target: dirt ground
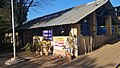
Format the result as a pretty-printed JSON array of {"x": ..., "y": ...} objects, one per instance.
[
  {"x": 107, "y": 56},
  {"x": 33, "y": 60}
]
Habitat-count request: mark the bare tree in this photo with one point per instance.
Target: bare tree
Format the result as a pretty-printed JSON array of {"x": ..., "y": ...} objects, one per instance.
[{"x": 22, "y": 8}]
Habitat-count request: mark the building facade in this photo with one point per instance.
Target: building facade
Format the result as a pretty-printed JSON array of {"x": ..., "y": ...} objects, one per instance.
[{"x": 85, "y": 23}]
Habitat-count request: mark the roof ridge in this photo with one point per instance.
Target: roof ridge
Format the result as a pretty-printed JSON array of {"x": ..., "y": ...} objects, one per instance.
[{"x": 62, "y": 17}]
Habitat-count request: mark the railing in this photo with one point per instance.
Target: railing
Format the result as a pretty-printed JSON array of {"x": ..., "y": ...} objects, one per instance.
[
  {"x": 87, "y": 43},
  {"x": 90, "y": 43}
]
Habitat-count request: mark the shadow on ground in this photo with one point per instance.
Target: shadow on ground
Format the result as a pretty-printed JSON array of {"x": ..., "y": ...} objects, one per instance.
[
  {"x": 113, "y": 41},
  {"x": 39, "y": 62},
  {"x": 84, "y": 62}
]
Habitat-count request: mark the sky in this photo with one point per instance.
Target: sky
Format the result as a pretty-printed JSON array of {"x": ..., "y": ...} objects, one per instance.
[{"x": 58, "y": 5}]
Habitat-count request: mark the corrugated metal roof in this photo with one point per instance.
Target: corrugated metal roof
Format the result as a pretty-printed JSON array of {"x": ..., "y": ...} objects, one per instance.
[{"x": 69, "y": 17}]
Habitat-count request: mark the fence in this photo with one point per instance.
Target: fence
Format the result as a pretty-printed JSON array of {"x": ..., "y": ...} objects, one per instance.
[{"x": 90, "y": 43}]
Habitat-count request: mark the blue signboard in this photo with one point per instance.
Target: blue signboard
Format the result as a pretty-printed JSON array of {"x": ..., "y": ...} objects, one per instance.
[{"x": 47, "y": 34}]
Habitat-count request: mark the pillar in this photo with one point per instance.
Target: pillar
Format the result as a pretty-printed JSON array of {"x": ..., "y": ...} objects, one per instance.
[
  {"x": 93, "y": 23},
  {"x": 108, "y": 25},
  {"x": 78, "y": 34},
  {"x": 78, "y": 39}
]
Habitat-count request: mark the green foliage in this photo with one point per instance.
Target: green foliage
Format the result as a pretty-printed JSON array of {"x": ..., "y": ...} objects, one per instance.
[
  {"x": 28, "y": 47},
  {"x": 5, "y": 19},
  {"x": 21, "y": 8},
  {"x": 5, "y": 10},
  {"x": 2, "y": 3},
  {"x": 4, "y": 25},
  {"x": 36, "y": 41}
]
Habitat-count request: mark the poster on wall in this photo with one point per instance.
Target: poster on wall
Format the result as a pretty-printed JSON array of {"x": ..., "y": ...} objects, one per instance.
[
  {"x": 59, "y": 42},
  {"x": 47, "y": 34}
]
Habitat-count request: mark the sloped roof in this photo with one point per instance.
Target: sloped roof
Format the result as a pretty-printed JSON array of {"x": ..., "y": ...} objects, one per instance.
[
  {"x": 68, "y": 16},
  {"x": 110, "y": 8}
]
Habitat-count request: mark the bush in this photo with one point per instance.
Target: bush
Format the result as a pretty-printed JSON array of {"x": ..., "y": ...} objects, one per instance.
[{"x": 29, "y": 47}]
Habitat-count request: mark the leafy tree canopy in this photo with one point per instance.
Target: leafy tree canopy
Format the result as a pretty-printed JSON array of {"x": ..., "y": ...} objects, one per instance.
[{"x": 21, "y": 7}]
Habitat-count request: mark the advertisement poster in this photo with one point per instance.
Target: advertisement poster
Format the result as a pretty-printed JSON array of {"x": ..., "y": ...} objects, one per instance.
[
  {"x": 47, "y": 34},
  {"x": 59, "y": 42}
]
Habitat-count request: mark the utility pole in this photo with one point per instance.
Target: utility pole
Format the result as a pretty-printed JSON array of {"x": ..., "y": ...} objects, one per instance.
[
  {"x": 15, "y": 59},
  {"x": 13, "y": 29}
]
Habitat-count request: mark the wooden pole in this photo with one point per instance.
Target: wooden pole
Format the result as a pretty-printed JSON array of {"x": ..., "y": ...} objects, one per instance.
[
  {"x": 109, "y": 25},
  {"x": 93, "y": 23}
]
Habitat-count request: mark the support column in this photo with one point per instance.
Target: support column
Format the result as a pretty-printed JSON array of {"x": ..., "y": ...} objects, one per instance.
[
  {"x": 78, "y": 34},
  {"x": 93, "y": 29},
  {"x": 108, "y": 25},
  {"x": 78, "y": 38},
  {"x": 116, "y": 29},
  {"x": 93, "y": 23}
]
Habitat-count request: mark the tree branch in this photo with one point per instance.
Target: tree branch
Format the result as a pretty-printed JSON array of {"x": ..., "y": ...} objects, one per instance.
[{"x": 30, "y": 4}]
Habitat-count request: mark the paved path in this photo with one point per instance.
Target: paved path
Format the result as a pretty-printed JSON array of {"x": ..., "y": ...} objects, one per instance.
[{"x": 106, "y": 57}]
